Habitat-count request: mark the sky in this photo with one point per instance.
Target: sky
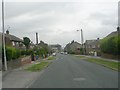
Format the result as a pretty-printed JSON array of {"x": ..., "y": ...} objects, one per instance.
[{"x": 57, "y": 21}]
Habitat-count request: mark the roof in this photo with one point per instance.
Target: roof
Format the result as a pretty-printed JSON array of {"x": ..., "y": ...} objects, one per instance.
[
  {"x": 12, "y": 37},
  {"x": 113, "y": 34},
  {"x": 91, "y": 42}
]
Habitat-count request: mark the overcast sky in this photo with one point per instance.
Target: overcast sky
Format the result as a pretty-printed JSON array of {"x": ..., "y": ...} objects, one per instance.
[{"x": 57, "y": 22}]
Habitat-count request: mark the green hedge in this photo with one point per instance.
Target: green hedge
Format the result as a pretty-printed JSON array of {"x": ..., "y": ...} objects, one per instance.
[
  {"x": 12, "y": 53},
  {"x": 41, "y": 52},
  {"x": 110, "y": 45}
]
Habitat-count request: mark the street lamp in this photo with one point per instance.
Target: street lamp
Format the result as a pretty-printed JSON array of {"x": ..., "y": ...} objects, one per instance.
[
  {"x": 3, "y": 38},
  {"x": 82, "y": 40}
]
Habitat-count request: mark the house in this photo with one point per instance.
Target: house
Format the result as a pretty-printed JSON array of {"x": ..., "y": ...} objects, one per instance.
[
  {"x": 32, "y": 45},
  {"x": 44, "y": 45},
  {"x": 55, "y": 47},
  {"x": 11, "y": 40},
  {"x": 92, "y": 47},
  {"x": 73, "y": 47},
  {"x": 115, "y": 33}
]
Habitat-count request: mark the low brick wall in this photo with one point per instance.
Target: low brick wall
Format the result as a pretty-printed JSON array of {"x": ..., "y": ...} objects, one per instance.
[
  {"x": 13, "y": 64},
  {"x": 110, "y": 56},
  {"x": 18, "y": 62},
  {"x": 25, "y": 60}
]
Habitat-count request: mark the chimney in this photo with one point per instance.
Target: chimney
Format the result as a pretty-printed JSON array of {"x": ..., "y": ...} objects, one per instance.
[
  {"x": 36, "y": 38},
  {"x": 7, "y": 32},
  {"x": 98, "y": 38},
  {"x": 118, "y": 29}
]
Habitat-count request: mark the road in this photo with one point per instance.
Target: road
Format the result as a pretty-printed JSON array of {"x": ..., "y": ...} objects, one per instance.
[{"x": 71, "y": 72}]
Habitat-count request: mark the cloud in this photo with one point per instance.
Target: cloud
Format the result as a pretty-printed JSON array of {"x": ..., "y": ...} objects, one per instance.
[{"x": 57, "y": 22}]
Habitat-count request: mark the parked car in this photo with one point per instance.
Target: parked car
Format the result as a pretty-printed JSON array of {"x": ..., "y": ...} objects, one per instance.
[
  {"x": 54, "y": 54},
  {"x": 65, "y": 53},
  {"x": 62, "y": 52}
]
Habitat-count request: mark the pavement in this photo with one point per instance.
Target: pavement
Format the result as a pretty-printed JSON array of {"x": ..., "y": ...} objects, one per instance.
[
  {"x": 69, "y": 71},
  {"x": 98, "y": 57},
  {"x": 19, "y": 77},
  {"x": 0, "y": 80}
]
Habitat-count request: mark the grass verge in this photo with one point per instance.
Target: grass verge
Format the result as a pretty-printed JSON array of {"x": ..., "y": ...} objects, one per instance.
[
  {"x": 81, "y": 56},
  {"x": 51, "y": 58},
  {"x": 109, "y": 64},
  {"x": 38, "y": 67}
]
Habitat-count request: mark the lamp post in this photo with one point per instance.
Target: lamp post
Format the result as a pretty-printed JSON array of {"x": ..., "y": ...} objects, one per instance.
[
  {"x": 3, "y": 38},
  {"x": 82, "y": 40}
]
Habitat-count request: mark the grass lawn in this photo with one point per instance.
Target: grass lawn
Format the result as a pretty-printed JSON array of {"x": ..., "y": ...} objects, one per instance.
[
  {"x": 109, "y": 64},
  {"x": 38, "y": 67},
  {"x": 81, "y": 56},
  {"x": 51, "y": 58}
]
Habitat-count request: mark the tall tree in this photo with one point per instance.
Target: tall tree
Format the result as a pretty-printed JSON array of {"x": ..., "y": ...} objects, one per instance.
[{"x": 26, "y": 42}]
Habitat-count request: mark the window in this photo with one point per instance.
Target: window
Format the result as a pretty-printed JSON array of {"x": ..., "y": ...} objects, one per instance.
[{"x": 13, "y": 43}]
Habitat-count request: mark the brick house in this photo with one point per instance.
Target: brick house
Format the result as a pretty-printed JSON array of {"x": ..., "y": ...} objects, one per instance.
[
  {"x": 11, "y": 40},
  {"x": 55, "y": 47},
  {"x": 73, "y": 47},
  {"x": 92, "y": 47}
]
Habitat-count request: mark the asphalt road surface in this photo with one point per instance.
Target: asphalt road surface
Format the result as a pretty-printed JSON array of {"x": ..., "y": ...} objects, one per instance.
[{"x": 71, "y": 72}]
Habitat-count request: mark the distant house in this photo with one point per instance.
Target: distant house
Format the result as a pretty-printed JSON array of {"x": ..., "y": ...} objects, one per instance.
[
  {"x": 55, "y": 47},
  {"x": 92, "y": 47},
  {"x": 32, "y": 45},
  {"x": 11, "y": 40},
  {"x": 73, "y": 47},
  {"x": 44, "y": 45}
]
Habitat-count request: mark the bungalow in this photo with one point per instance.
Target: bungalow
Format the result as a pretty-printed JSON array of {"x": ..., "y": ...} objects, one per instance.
[{"x": 11, "y": 40}]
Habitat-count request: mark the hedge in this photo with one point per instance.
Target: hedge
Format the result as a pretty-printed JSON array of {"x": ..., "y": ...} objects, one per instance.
[
  {"x": 110, "y": 45},
  {"x": 12, "y": 53}
]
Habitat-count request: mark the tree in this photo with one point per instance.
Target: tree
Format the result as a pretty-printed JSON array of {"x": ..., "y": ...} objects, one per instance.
[{"x": 26, "y": 42}]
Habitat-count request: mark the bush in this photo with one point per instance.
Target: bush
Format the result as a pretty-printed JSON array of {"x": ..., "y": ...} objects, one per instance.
[
  {"x": 111, "y": 45},
  {"x": 12, "y": 53},
  {"x": 26, "y": 52},
  {"x": 41, "y": 52}
]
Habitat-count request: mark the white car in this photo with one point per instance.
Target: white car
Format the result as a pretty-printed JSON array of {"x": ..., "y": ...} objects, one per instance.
[{"x": 54, "y": 54}]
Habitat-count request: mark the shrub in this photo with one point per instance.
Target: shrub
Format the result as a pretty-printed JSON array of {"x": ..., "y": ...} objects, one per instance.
[
  {"x": 110, "y": 45},
  {"x": 12, "y": 53}
]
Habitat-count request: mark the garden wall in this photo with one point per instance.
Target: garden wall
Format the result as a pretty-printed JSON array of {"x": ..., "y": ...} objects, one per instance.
[
  {"x": 18, "y": 62},
  {"x": 110, "y": 56}
]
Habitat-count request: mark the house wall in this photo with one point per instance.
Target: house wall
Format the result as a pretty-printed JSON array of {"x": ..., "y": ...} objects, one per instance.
[
  {"x": 75, "y": 48},
  {"x": 90, "y": 49}
]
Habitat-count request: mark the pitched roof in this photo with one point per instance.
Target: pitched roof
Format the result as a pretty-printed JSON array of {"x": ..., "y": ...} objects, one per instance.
[
  {"x": 12, "y": 37},
  {"x": 113, "y": 34},
  {"x": 91, "y": 42}
]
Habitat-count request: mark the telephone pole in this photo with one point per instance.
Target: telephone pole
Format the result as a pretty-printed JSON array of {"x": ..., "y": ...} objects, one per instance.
[
  {"x": 82, "y": 40},
  {"x": 36, "y": 38},
  {"x": 3, "y": 37}
]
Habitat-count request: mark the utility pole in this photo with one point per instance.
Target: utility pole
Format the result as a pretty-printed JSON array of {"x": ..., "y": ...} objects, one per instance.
[
  {"x": 36, "y": 38},
  {"x": 81, "y": 34},
  {"x": 82, "y": 40},
  {"x": 3, "y": 37}
]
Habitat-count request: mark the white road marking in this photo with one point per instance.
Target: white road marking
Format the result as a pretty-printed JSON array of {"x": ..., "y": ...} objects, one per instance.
[{"x": 79, "y": 79}]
